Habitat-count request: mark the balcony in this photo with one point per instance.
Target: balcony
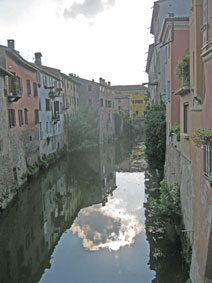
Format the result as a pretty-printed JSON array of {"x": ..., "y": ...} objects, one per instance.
[
  {"x": 15, "y": 88},
  {"x": 183, "y": 90},
  {"x": 54, "y": 92},
  {"x": 55, "y": 118},
  {"x": 13, "y": 97}
]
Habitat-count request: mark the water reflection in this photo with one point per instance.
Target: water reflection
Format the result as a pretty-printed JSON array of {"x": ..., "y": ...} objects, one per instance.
[
  {"x": 92, "y": 201},
  {"x": 109, "y": 227},
  {"x": 33, "y": 224}
]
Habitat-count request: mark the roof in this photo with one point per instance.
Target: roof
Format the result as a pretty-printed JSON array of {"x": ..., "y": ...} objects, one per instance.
[
  {"x": 122, "y": 96},
  {"x": 14, "y": 54},
  {"x": 4, "y": 72},
  {"x": 78, "y": 79},
  {"x": 149, "y": 58},
  {"x": 69, "y": 78},
  {"x": 129, "y": 87},
  {"x": 44, "y": 69},
  {"x": 184, "y": 24}
]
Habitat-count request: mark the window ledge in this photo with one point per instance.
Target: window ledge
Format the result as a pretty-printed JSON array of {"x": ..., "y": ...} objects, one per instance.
[
  {"x": 196, "y": 108},
  {"x": 185, "y": 136},
  {"x": 182, "y": 90}
]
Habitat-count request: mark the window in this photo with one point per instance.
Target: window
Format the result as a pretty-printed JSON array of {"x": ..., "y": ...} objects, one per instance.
[
  {"x": 168, "y": 90},
  {"x": 105, "y": 103},
  {"x": 138, "y": 101},
  {"x": 15, "y": 85},
  {"x": 101, "y": 102},
  {"x": 12, "y": 121},
  {"x": 20, "y": 117},
  {"x": 89, "y": 88},
  {"x": 185, "y": 118},
  {"x": 48, "y": 105},
  {"x": 109, "y": 103},
  {"x": 35, "y": 90},
  {"x": 207, "y": 159},
  {"x": 136, "y": 113},
  {"x": 56, "y": 109},
  {"x": 36, "y": 116},
  {"x": 1, "y": 145},
  {"x": 40, "y": 108},
  {"x": 26, "y": 116},
  {"x": 47, "y": 127},
  {"x": 44, "y": 81},
  {"x": 28, "y": 87},
  {"x": 5, "y": 86},
  {"x": 90, "y": 101},
  {"x": 205, "y": 22},
  {"x": 38, "y": 78}
]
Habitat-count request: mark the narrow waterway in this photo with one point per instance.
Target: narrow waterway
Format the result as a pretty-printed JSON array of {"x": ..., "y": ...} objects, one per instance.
[{"x": 84, "y": 220}]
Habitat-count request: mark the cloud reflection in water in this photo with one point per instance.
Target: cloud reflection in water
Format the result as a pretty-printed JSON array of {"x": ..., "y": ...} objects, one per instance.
[{"x": 109, "y": 227}]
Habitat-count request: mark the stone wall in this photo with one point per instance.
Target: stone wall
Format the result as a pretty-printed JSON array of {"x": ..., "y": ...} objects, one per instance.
[{"x": 178, "y": 169}]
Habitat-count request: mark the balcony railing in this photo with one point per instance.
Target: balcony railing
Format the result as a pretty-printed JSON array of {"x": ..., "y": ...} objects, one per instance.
[
  {"x": 55, "y": 118},
  {"x": 13, "y": 97},
  {"x": 54, "y": 92}
]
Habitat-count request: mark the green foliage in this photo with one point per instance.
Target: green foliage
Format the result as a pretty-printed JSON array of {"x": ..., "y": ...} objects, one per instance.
[
  {"x": 83, "y": 126},
  {"x": 168, "y": 203},
  {"x": 201, "y": 136},
  {"x": 155, "y": 135},
  {"x": 182, "y": 70},
  {"x": 175, "y": 130}
]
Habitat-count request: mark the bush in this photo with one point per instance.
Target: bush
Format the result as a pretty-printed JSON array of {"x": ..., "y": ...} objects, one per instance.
[
  {"x": 182, "y": 70},
  {"x": 155, "y": 136},
  {"x": 175, "y": 130},
  {"x": 168, "y": 203}
]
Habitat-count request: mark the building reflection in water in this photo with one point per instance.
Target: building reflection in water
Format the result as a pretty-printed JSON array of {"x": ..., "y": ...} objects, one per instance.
[{"x": 33, "y": 224}]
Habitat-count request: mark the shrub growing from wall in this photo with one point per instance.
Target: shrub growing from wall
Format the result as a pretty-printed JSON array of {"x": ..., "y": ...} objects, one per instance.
[{"x": 155, "y": 136}]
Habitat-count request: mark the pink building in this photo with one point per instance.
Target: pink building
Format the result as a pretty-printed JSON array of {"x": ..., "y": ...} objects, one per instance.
[
  {"x": 174, "y": 38},
  {"x": 22, "y": 104}
]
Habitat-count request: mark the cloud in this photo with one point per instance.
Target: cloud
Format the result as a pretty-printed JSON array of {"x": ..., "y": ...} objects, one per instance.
[
  {"x": 88, "y": 9},
  {"x": 109, "y": 227}
]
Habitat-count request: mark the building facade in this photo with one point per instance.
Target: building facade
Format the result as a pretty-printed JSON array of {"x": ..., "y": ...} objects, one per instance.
[
  {"x": 137, "y": 93},
  {"x": 157, "y": 52},
  {"x": 51, "y": 129},
  {"x": 123, "y": 103},
  {"x": 22, "y": 106},
  {"x": 6, "y": 172},
  {"x": 186, "y": 163},
  {"x": 100, "y": 97}
]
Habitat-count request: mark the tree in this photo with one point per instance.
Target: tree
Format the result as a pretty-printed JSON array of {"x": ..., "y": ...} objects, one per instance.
[{"x": 83, "y": 127}]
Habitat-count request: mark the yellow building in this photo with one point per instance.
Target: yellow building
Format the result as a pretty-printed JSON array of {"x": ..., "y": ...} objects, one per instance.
[{"x": 138, "y": 94}]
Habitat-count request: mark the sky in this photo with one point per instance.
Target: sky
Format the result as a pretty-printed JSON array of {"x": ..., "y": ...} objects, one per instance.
[{"x": 90, "y": 38}]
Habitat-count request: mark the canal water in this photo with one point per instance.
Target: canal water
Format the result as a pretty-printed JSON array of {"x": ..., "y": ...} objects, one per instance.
[{"x": 84, "y": 221}]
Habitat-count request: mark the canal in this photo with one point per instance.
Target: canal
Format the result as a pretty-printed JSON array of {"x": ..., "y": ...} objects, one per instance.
[{"x": 84, "y": 220}]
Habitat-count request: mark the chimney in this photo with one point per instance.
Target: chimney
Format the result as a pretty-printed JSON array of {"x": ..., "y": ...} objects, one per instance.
[
  {"x": 38, "y": 56},
  {"x": 100, "y": 80},
  {"x": 103, "y": 81},
  {"x": 11, "y": 43},
  {"x": 109, "y": 83}
]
